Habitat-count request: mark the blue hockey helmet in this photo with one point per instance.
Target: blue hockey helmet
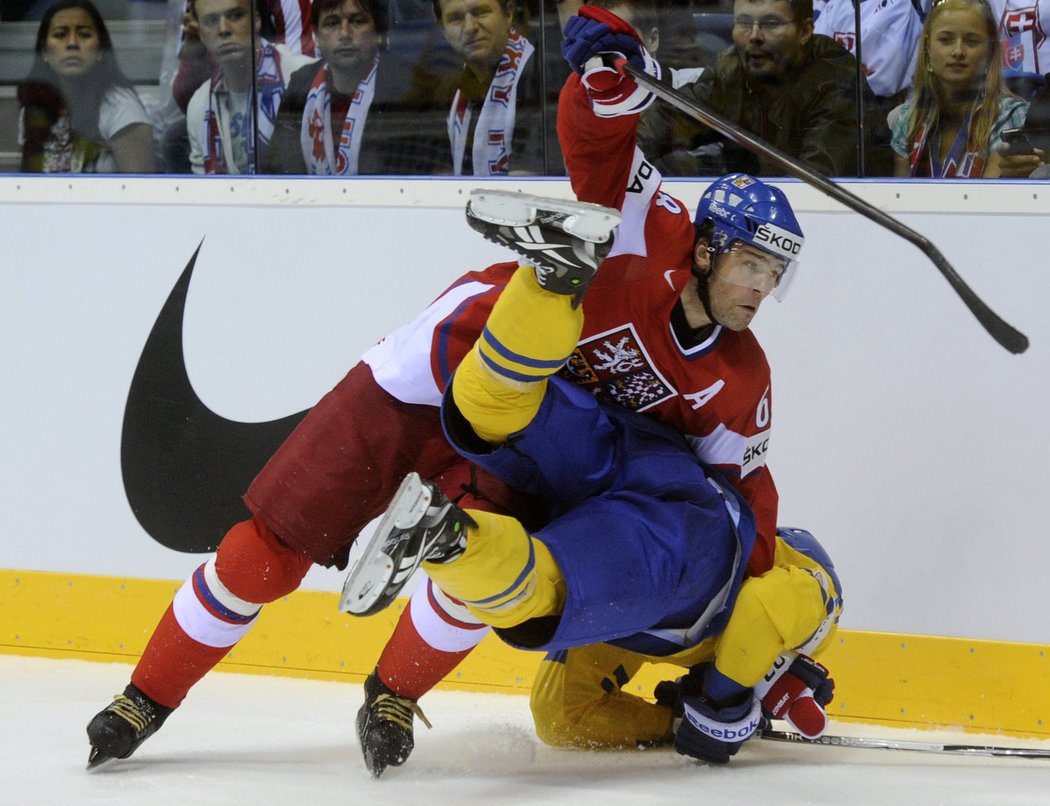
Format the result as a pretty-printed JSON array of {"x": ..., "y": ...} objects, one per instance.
[
  {"x": 813, "y": 558},
  {"x": 747, "y": 210}
]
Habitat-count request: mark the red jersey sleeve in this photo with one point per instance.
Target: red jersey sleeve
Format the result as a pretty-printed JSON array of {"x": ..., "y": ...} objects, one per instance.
[
  {"x": 598, "y": 151},
  {"x": 761, "y": 493}
]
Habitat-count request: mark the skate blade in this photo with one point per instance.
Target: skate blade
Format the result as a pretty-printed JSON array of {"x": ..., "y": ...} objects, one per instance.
[
  {"x": 371, "y": 574},
  {"x": 98, "y": 760},
  {"x": 589, "y": 222}
]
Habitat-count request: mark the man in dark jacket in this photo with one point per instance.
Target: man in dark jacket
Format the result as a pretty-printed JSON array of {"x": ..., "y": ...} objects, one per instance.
[
  {"x": 781, "y": 82},
  {"x": 347, "y": 115}
]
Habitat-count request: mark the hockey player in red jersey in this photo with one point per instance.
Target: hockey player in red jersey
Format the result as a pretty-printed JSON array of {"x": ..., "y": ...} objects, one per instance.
[{"x": 655, "y": 339}]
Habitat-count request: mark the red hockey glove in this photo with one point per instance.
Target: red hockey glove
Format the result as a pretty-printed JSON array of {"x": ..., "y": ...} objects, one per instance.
[{"x": 797, "y": 689}]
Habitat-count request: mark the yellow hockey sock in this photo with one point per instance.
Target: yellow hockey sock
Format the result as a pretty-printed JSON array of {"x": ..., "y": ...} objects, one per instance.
[
  {"x": 494, "y": 409},
  {"x": 505, "y": 576},
  {"x": 530, "y": 333}
]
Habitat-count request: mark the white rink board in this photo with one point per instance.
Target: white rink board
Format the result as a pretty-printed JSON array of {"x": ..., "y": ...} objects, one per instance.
[{"x": 906, "y": 439}]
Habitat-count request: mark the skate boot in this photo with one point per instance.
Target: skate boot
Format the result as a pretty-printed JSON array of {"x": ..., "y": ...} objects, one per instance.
[
  {"x": 118, "y": 729},
  {"x": 419, "y": 524},
  {"x": 565, "y": 240},
  {"x": 384, "y": 726}
]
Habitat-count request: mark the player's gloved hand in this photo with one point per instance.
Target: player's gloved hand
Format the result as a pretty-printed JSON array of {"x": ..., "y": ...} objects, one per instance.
[
  {"x": 594, "y": 31},
  {"x": 594, "y": 41},
  {"x": 797, "y": 689},
  {"x": 714, "y": 733},
  {"x": 704, "y": 730}
]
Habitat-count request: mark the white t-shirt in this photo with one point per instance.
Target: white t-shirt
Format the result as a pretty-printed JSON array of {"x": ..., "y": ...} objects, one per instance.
[{"x": 120, "y": 108}]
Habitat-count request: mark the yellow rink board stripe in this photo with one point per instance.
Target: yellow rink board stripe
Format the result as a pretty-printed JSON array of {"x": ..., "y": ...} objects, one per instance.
[{"x": 904, "y": 680}]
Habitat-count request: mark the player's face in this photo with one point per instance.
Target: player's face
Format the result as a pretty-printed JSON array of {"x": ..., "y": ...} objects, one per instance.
[
  {"x": 347, "y": 37},
  {"x": 768, "y": 39},
  {"x": 72, "y": 45},
  {"x": 742, "y": 278},
  {"x": 959, "y": 48},
  {"x": 477, "y": 30},
  {"x": 226, "y": 28}
]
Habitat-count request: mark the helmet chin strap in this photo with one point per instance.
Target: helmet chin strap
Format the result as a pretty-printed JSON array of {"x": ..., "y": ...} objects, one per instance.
[{"x": 702, "y": 279}]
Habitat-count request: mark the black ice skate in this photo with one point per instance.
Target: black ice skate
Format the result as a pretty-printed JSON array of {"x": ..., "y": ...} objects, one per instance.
[
  {"x": 565, "y": 240},
  {"x": 419, "y": 524},
  {"x": 384, "y": 726},
  {"x": 117, "y": 730}
]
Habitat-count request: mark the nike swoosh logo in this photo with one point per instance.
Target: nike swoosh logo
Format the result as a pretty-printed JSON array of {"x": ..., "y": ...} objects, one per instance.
[
  {"x": 185, "y": 467},
  {"x": 667, "y": 277}
]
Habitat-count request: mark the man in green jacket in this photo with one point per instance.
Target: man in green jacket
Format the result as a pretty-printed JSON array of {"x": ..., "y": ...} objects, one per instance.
[{"x": 780, "y": 81}]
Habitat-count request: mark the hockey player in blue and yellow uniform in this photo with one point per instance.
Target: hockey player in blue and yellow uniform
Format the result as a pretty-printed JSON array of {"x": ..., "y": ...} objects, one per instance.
[{"x": 645, "y": 553}]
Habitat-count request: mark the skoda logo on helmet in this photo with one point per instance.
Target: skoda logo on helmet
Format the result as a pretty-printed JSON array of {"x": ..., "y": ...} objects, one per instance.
[{"x": 771, "y": 237}]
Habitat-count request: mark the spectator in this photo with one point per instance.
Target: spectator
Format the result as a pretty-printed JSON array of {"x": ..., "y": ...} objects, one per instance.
[
  {"x": 284, "y": 22},
  {"x": 951, "y": 125},
  {"x": 889, "y": 31},
  {"x": 684, "y": 44},
  {"x": 497, "y": 93},
  {"x": 225, "y": 128},
  {"x": 79, "y": 113},
  {"x": 344, "y": 117},
  {"x": 794, "y": 89}
]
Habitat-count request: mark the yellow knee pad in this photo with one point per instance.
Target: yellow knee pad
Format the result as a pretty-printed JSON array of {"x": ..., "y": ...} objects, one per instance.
[{"x": 505, "y": 577}]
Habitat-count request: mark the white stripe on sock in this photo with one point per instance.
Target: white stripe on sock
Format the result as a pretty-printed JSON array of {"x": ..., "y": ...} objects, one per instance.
[{"x": 437, "y": 631}]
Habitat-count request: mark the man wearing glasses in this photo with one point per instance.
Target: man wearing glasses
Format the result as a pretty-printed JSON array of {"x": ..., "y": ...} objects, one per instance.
[{"x": 780, "y": 81}]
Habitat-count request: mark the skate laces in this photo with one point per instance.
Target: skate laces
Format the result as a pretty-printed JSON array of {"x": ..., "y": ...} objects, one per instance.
[
  {"x": 398, "y": 710},
  {"x": 130, "y": 711}
]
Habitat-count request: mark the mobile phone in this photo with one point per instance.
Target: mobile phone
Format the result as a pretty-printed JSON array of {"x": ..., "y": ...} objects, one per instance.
[{"x": 1019, "y": 141}]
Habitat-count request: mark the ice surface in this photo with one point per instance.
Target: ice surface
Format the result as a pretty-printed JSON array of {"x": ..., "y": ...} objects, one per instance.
[{"x": 269, "y": 740}]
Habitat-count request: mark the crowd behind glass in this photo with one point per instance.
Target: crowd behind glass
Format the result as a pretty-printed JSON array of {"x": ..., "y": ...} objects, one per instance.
[{"x": 952, "y": 88}]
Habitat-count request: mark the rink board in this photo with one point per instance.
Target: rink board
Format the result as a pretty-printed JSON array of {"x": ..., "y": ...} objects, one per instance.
[
  {"x": 890, "y": 679},
  {"x": 906, "y": 439}
]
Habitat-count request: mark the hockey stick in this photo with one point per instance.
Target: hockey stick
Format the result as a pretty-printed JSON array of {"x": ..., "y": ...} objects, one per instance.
[
  {"x": 1010, "y": 338},
  {"x": 894, "y": 744}
]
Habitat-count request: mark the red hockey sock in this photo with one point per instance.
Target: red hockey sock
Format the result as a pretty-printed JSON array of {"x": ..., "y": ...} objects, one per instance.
[
  {"x": 409, "y": 665},
  {"x": 173, "y": 662},
  {"x": 252, "y": 567}
]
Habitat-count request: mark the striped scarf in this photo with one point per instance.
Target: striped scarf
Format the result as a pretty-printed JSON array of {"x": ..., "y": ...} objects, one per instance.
[
  {"x": 964, "y": 159},
  {"x": 320, "y": 153},
  {"x": 265, "y": 97},
  {"x": 494, "y": 132}
]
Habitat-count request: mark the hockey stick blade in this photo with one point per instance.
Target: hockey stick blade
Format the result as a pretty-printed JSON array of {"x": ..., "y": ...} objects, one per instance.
[
  {"x": 1000, "y": 330},
  {"x": 894, "y": 744}
]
